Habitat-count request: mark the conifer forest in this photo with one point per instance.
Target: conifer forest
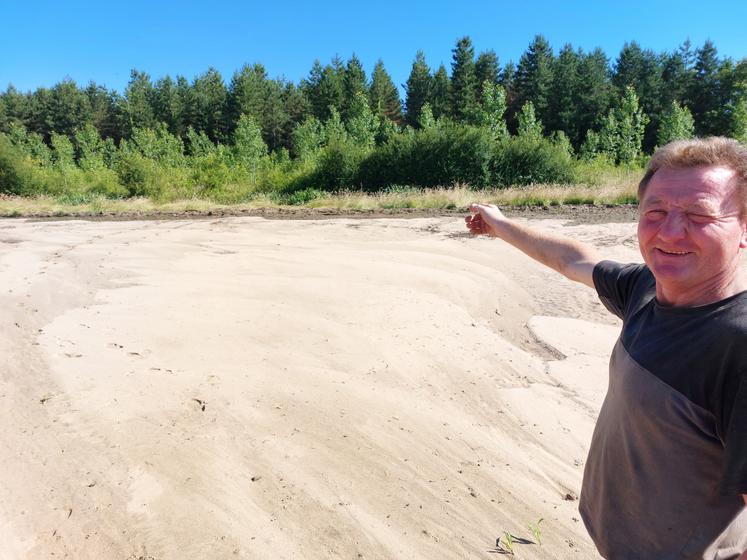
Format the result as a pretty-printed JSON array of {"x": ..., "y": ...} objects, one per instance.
[{"x": 480, "y": 122}]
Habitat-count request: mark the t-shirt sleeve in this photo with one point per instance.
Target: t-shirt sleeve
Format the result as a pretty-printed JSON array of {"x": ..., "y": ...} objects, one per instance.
[
  {"x": 734, "y": 480},
  {"x": 615, "y": 283}
]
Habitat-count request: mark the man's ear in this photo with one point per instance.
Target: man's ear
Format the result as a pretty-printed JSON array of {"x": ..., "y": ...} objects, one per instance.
[{"x": 743, "y": 240}]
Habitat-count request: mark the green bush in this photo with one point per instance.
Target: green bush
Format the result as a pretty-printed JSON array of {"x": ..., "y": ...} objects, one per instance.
[
  {"x": 526, "y": 160},
  {"x": 443, "y": 154},
  {"x": 337, "y": 167},
  {"x": 304, "y": 196},
  {"x": 19, "y": 174}
]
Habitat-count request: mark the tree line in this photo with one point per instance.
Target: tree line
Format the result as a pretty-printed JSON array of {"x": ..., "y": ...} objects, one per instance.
[
  {"x": 573, "y": 92},
  {"x": 551, "y": 118}
]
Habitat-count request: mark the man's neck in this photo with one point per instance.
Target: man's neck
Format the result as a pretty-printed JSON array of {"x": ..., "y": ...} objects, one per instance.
[{"x": 715, "y": 290}]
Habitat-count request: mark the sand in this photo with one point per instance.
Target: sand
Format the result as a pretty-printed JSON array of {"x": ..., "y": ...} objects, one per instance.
[{"x": 252, "y": 388}]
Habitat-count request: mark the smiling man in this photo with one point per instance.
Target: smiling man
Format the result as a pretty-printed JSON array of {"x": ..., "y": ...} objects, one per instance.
[{"x": 666, "y": 475}]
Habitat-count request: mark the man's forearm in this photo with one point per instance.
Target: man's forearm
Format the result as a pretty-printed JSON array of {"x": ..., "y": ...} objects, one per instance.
[{"x": 571, "y": 258}]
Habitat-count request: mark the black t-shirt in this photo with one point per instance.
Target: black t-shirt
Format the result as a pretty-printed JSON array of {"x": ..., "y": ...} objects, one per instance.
[{"x": 668, "y": 459}]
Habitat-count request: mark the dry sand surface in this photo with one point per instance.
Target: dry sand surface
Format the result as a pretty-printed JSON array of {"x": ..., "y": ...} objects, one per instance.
[{"x": 251, "y": 388}]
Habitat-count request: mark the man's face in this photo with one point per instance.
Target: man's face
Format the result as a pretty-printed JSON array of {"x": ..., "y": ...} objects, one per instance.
[{"x": 690, "y": 233}]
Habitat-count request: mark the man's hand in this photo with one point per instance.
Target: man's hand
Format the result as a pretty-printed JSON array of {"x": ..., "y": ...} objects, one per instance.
[
  {"x": 484, "y": 219},
  {"x": 574, "y": 260}
]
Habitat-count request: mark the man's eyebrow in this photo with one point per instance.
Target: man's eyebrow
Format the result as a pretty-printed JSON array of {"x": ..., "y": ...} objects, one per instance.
[{"x": 651, "y": 201}]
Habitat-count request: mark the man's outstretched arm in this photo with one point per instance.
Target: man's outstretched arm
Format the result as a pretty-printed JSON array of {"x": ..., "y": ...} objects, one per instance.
[{"x": 568, "y": 256}]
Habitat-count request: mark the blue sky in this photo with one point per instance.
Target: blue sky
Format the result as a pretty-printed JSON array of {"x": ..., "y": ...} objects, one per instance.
[{"x": 43, "y": 42}]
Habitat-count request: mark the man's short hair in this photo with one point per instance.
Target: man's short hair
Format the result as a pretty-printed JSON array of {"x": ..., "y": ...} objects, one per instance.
[{"x": 714, "y": 150}]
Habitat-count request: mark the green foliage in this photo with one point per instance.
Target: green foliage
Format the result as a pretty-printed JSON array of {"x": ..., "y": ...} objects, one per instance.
[
  {"x": 387, "y": 130},
  {"x": 492, "y": 109},
  {"x": 156, "y": 144},
  {"x": 337, "y": 167},
  {"x": 433, "y": 156},
  {"x": 486, "y": 70},
  {"x": 507, "y": 542},
  {"x": 631, "y": 122},
  {"x": 198, "y": 143},
  {"x": 426, "y": 119},
  {"x": 534, "y": 528},
  {"x": 16, "y": 170},
  {"x": 90, "y": 148},
  {"x": 527, "y": 160},
  {"x": 304, "y": 196},
  {"x": 308, "y": 138},
  {"x": 385, "y": 102},
  {"x": 440, "y": 94},
  {"x": 739, "y": 121},
  {"x": 621, "y": 135},
  {"x": 334, "y": 129},
  {"x": 534, "y": 76},
  {"x": 528, "y": 124},
  {"x": 354, "y": 85},
  {"x": 417, "y": 89},
  {"x": 63, "y": 152},
  {"x": 676, "y": 124},
  {"x": 463, "y": 86},
  {"x": 324, "y": 88},
  {"x": 362, "y": 124},
  {"x": 248, "y": 146}
]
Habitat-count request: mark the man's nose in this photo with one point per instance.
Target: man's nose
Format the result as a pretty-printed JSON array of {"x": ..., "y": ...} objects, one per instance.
[{"x": 674, "y": 226}]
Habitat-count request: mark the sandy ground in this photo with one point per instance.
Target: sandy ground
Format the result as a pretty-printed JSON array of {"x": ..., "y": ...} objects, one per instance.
[{"x": 252, "y": 388}]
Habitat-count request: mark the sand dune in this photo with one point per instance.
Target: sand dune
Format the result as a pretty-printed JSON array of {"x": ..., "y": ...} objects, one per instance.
[{"x": 246, "y": 388}]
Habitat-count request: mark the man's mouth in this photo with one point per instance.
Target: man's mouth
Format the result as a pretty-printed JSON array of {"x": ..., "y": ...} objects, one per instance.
[{"x": 675, "y": 253}]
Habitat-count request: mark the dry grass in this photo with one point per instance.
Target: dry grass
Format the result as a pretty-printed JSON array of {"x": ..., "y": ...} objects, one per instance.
[{"x": 452, "y": 198}]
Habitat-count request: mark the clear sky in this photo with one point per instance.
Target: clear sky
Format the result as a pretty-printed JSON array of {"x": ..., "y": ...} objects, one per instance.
[{"x": 42, "y": 41}]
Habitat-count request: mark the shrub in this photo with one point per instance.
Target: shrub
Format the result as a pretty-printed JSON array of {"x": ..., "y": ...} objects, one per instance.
[
  {"x": 526, "y": 160},
  {"x": 337, "y": 167},
  {"x": 442, "y": 154},
  {"x": 17, "y": 171}
]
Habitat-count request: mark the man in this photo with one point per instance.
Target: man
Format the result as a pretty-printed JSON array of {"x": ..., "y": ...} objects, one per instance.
[{"x": 666, "y": 475}]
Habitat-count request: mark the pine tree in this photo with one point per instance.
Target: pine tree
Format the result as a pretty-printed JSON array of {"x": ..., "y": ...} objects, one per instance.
[
  {"x": 486, "y": 70},
  {"x": 463, "y": 86},
  {"x": 507, "y": 80},
  {"x": 297, "y": 108},
  {"x": 16, "y": 107},
  {"x": 248, "y": 93},
  {"x": 68, "y": 108},
  {"x": 594, "y": 93},
  {"x": 210, "y": 98},
  {"x": 534, "y": 78},
  {"x": 103, "y": 110},
  {"x": 385, "y": 101},
  {"x": 677, "y": 75},
  {"x": 675, "y": 124},
  {"x": 564, "y": 90},
  {"x": 354, "y": 84},
  {"x": 324, "y": 88},
  {"x": 274, "y": 122},
  {"x": 166, "y": 107},
  {"x": 417, "y": 89},
  {"x": 704, "y": 94},
  {"x": 440, "y": 93},
  {"x": 138, "y": 102},
  {"x": 642, "y": 70}
]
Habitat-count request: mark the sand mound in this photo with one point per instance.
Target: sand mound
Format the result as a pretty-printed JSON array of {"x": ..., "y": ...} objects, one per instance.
[{"x": 247, "y": 388}]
